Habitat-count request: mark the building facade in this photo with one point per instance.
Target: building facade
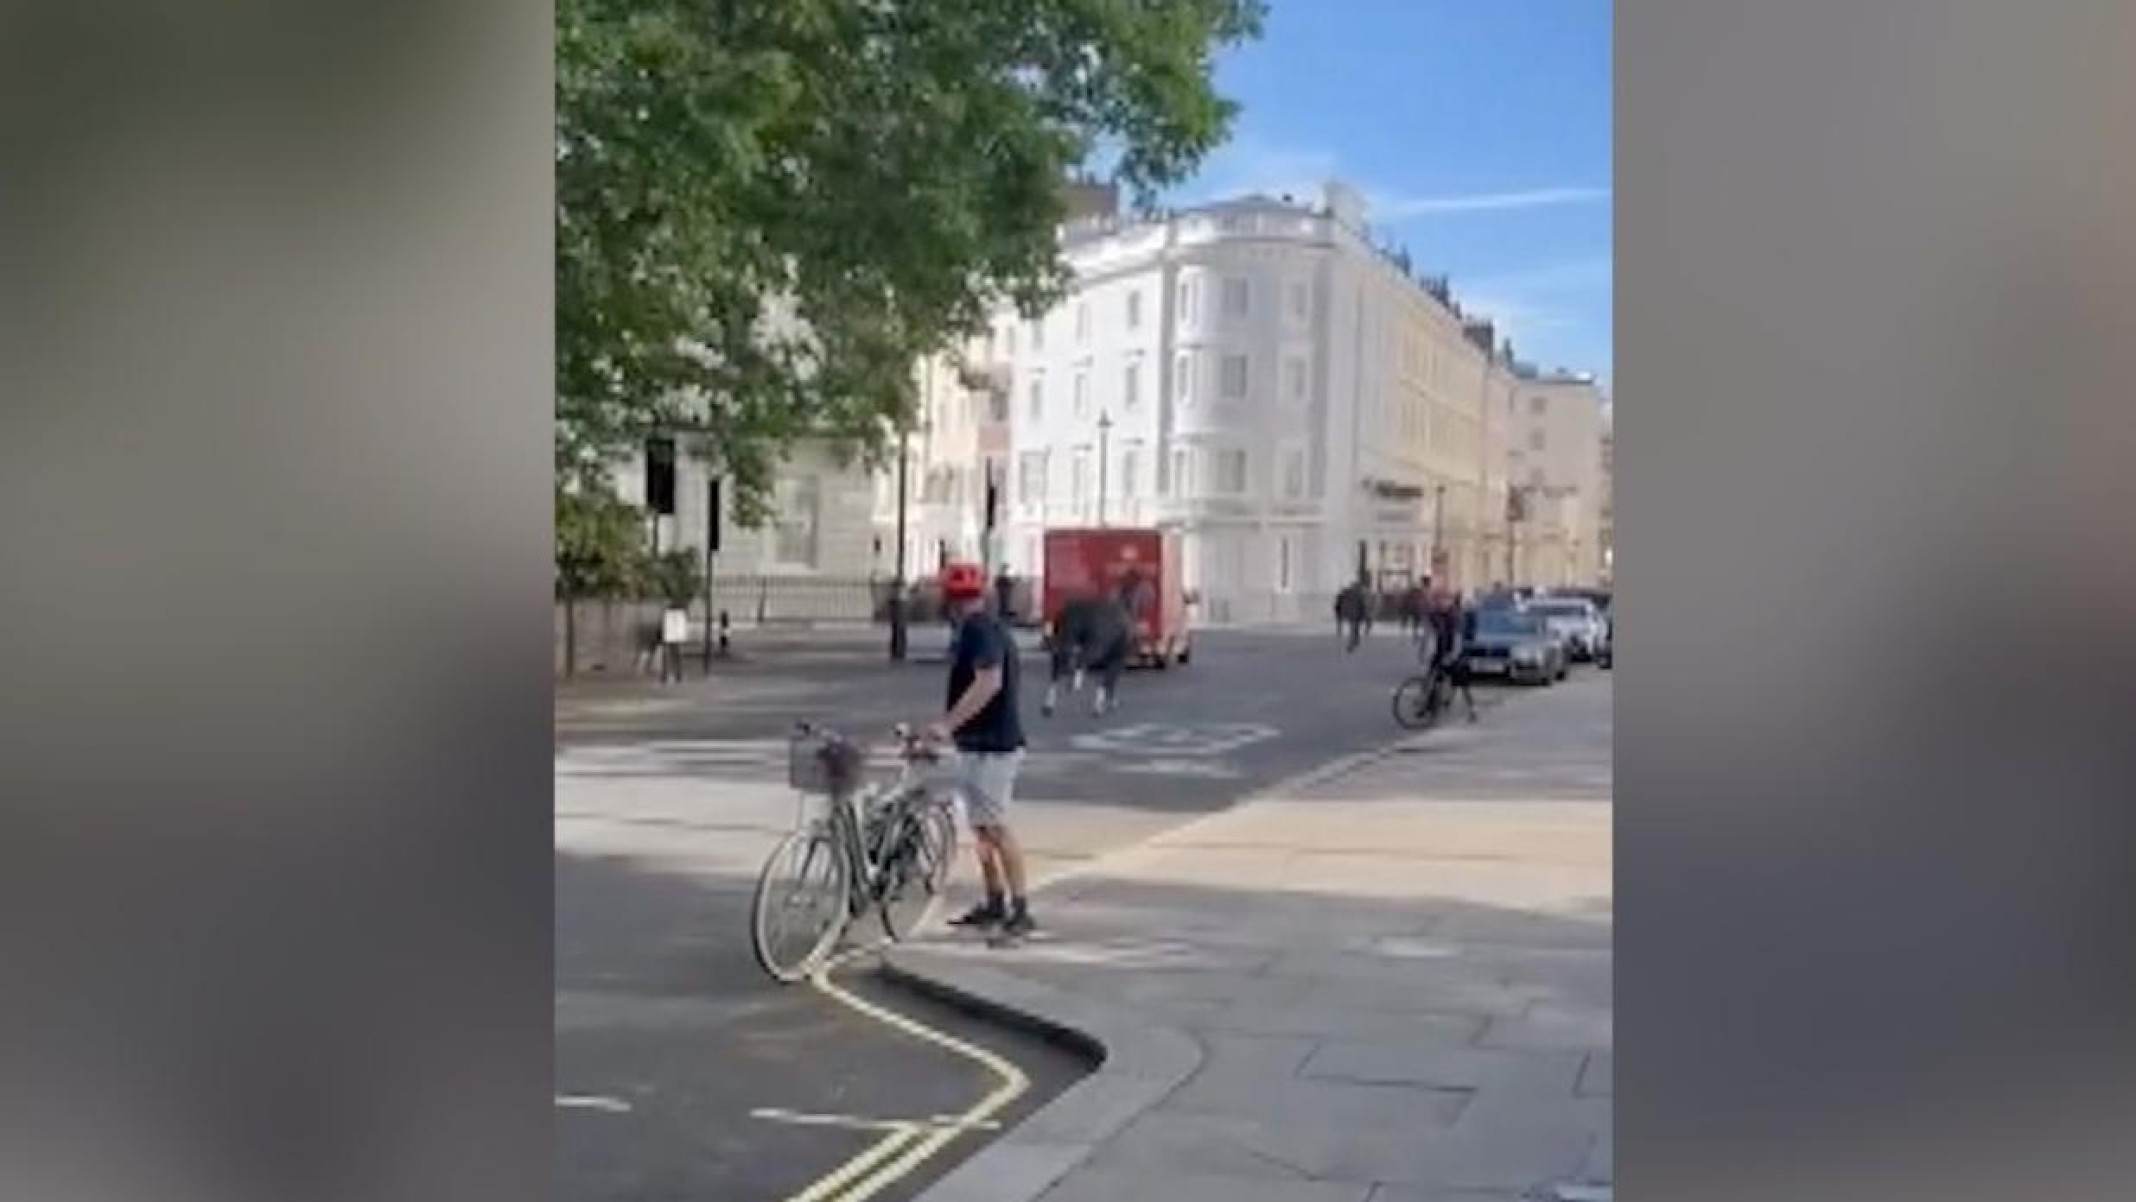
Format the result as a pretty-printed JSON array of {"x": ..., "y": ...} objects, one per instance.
[
  {"x": 820, "y": 525},
  {"x": 1291, "y": 398},
  {"x": 1555, "y": 461},
  {"x": 1259, "y": 376}
]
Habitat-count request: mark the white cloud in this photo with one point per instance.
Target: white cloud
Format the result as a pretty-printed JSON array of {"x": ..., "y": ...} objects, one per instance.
[{"x": 1399, "y": 208}]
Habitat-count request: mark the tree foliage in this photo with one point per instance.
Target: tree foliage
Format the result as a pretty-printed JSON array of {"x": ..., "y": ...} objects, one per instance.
[
  {"x": 768, "y": 210},
  {"x": 674, "y": 577},
  {"x": 600, "y": 541}
]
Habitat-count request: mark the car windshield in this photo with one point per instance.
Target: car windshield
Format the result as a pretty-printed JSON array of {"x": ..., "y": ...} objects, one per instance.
[
  {"x": 1560, "y": 609},
  {"x": 1503, "y": 622}
]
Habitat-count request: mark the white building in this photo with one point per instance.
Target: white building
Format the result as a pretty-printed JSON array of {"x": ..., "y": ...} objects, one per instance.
[
  {"x": 1560, "y": 432},
  {"x": 1259, "y": 376}
]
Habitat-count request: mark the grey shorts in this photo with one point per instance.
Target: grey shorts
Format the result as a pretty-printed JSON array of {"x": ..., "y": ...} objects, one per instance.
[{"x": 987, "y": 783}]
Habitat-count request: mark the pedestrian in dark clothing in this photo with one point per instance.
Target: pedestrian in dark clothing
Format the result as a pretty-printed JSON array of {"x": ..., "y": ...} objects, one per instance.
[
  {"x": 1004, "y": 596},
  {"x": 1350, "y": 614}
]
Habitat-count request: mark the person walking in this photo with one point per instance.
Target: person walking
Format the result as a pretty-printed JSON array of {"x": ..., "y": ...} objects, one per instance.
[
  {"x": 983, "y": 724},
  {"x": 1350, "y": 613}
]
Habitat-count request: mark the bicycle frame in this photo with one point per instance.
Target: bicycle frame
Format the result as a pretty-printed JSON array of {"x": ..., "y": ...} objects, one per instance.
[{"x": 864, "y": 883}]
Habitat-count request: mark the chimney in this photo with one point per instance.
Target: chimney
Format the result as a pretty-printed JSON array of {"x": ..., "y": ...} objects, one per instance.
[{"x": 1088, "y": 197}]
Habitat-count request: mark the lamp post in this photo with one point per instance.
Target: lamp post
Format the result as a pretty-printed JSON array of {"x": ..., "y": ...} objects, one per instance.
[
  {"x": 1438, "y": 523},
  {"x": 897, "y": 586},
  {"x": 1104, "y": 431}
]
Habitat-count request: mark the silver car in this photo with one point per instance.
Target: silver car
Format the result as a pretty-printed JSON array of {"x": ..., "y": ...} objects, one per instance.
[{"x": 1585, "y": 631}]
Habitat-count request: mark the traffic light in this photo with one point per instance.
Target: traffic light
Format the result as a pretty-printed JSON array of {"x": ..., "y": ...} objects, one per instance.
[{"x": 660, "y": 476}]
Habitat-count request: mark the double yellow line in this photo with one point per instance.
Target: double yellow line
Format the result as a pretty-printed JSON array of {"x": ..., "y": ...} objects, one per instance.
[{"x": 905, "y": 1145}]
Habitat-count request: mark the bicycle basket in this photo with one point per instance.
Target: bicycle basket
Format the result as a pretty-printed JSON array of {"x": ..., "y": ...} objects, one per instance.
[{"x": 822, "y": 763}]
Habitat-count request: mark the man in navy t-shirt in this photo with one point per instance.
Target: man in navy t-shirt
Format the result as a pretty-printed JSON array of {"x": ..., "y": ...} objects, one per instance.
[{"x": 983, "y": 722}]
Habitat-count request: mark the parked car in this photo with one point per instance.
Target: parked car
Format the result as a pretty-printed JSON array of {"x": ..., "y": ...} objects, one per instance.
[
  {"x": 1513, "y": 644},
  {"x": 1586, "y": 632}
]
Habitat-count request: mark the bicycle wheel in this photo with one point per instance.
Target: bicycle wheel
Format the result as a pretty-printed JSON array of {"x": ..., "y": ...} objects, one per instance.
[
  {"x": 800, "y": 906},
  {"x": 1416, "y": 703},
  {"x": 917, "y": 872}
]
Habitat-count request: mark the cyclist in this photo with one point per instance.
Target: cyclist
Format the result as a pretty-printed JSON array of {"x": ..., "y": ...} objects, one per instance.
[
  {"x": 1451, "y": 627},
  {"x": 982, "y": 722}
]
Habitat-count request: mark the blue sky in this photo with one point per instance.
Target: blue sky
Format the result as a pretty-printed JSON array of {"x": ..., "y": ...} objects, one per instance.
[{"x": 1479, "y": 131}]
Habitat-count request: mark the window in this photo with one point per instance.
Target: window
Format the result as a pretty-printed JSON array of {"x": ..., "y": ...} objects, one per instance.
[
  {"x": 1182, "y": 475},
  {"x": 1183, "y": 378},
  {"x": 1078, "y": 476},
  {"x": 1038, "y": 400},
  {"x": 1294, "y": 473},
  {"x": 1297, "y": 302},
  {"x": 1031, "y": 477},
  {"x": 1082, "y": 321},
  {"x": 1294, "y": 379},
  {"x": 1283, "y": 563},
  {"x": 1082, "y": 394},
  {"x": 1538, "y": 405},
  {"x": 1131, "y": 386},
  {"x": 1236, "y": 294},
  {"x": 1186, "y": 300},
  {"x": 1127, "y": 474},
  {"x": 1234, "y": 376},
  {"x": 794, "y": 532},
  {"x": 1009, "y": 337},
  {"x": 1535, "y": 440},
  {"x": 1134, "y": 310},
  {"x": 1231, "y": 471}
]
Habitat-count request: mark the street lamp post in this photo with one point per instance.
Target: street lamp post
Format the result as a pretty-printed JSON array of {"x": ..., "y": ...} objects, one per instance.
[
  {"x": 897, "y": 586},
  {"x": 1438, "y": 524},
  {"x": 1104, "y": 430}
]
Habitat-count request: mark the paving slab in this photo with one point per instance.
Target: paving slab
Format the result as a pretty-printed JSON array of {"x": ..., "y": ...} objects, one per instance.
[{"x": 1389, "y": 980}]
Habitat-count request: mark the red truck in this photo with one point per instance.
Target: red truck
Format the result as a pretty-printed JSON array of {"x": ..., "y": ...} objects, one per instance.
[{"x": 1105, "y": 561}]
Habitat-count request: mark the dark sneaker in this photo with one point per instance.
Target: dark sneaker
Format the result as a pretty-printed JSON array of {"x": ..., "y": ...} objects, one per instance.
[
  {"x": 1018, "y": 924},
  {"x": 985, "y": 914}
]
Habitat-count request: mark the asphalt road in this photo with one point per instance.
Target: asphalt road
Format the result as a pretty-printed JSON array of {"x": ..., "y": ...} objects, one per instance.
[{"x": 670, "y": 1044}]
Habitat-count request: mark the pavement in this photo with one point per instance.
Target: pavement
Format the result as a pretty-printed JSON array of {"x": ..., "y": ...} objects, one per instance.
[
  {"x": 1389, "y": 982},
  {"x": 682, "y": 1072}
]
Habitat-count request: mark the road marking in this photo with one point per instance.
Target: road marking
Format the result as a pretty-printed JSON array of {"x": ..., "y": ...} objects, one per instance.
[
  {"x": 857, "y": 1123},
  {"x": 1205, "y": 739},
  {"x": 566, "y": 1101},
  {"x": 898, "y": 1152}
]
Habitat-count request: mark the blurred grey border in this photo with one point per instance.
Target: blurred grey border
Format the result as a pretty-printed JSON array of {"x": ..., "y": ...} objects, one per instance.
[
  {"x": 1875, "y": 372},
  {"x": 275, "y": 398}
]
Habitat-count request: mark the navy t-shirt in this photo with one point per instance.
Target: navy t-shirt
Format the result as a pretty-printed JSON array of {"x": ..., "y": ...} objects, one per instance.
[{"x": 982, "y": 642}]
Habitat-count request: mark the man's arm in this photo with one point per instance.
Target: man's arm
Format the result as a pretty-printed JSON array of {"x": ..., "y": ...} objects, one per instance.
[{"x": 986, "y": 682}]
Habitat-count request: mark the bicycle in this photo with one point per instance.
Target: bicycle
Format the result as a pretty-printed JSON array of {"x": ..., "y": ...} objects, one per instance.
[
  {"x": 889, "y": 847},
  {"x": 1420, "y": 701}
]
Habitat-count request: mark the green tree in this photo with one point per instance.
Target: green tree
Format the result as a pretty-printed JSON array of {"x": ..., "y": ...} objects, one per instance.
[
  {"x": 674, "y": 577},
  {"x": 768, "y": 210},
  {"x": 599, "y": 551}
]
